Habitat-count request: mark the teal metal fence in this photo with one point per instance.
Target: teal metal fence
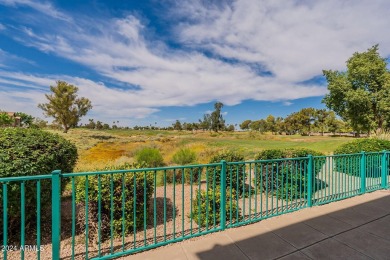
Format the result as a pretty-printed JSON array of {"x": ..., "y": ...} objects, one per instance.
[{"x": 103, "y": 215}]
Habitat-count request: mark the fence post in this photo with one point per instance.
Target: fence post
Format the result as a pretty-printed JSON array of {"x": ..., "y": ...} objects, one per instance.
[
  {"x": 310, "y": 181},
  {"x": 363, "y": 172},
  {"x": 56, "y": 213},
  {"x": 223, "y": 195},
  {"x": 384, "y": 169}
]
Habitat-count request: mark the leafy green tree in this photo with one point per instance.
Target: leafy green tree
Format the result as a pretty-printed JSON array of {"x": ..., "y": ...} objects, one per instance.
[
  {"x": 245, "y": 125},
  {"x": 280, "y": 126},
  {"x": 64, "y": 105},
  {"x": 306, "y": 117},
  {"x": 91, "y": 124},
  {"x": 301, "y": 121},
  {"x": 25, "y": 119},
  {"x": 334, "y": 124},
  {"x": 217, "y": 122},
  {"x": 271, "y": 124},
  {"x": 99, "y": 125},
  {"x": 205, "y": 124},
  {"x": 321, "y": 119},
  {"x": 291, "y": 123},
  {"x": 177, "y": 125},
  {"x": 361, "y": 94},
  {"x": 5, "y": 119},
  {"x": 230, "y": 128},
  {"x": 258, "y": 125}
]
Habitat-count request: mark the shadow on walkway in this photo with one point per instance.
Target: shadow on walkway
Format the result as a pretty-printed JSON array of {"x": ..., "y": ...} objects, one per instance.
[{"x": 341, "y": 230}]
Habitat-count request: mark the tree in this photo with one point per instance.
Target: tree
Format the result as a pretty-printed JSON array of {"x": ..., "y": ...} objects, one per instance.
[
  {"x": 334, "y": 125},
  {"x": 280, "y": 126},
  {"x": 217, "y": 122},
  {"x": 230, "y": 128},
  {"x": 5, "y": 119},
  {"x": 64, "y": 106},
  {"x": 321, "y": 119},
  {"x": 291, "y": 124},
  {"x": 99, "y": 125},
  {"x": 271, "y": 124},
  {"x": 361, "y": 94},
  {"x": 258, "y": 125},
  {"x": 25, "y": 120},
  {"x": 91, "y": 124},
  {"x": 205, "y": 124},
  {"x": 300, "y": 122},
  {"x": 245, "y": 125},
  {"x": 177, "y": 125}
]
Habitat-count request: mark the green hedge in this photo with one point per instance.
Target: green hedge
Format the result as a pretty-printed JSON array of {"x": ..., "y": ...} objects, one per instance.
[
  {"x": 205, "y": 203},
  {"x": 129, "y": 180},
  {"x": 286, "y": 179},
  {"x": 27, "y": 152},
  {"x": 351, "y": 164}
]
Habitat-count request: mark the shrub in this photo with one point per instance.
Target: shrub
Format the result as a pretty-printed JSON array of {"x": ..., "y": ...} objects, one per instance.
[
  {"x": 150, "y": 156},
  {"x": 130, "y": 181},
  {"x": 286, "y": 179},
  {"x": 235, "y": 174},
  {"x": 184, "y": 156},
  {"x": 26, "y": 152},
  {"x": 350, "y": 164},
  {"x": 204, "y": 204},
  {"x": 190, "y": 174},
  {"x": 367, "y": 145}
]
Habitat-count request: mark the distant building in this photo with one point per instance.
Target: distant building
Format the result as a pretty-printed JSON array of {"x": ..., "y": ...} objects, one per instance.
[{"x": 16, "y": 119}]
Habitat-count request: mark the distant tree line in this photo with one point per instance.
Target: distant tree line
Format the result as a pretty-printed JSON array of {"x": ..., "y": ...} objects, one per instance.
[{"x": 304, "y": 122}]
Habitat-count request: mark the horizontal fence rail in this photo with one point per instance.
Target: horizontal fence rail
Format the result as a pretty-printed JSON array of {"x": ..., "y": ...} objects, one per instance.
[{"x": 103, "y": 215}]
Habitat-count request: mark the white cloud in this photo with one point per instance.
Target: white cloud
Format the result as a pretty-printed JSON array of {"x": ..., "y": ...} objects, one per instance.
[
  {"x": 294, "y": 41},
  {"x": 287, "y": 103},
  {"x": 44, "y": 8},
  {"x": 8, "y": 59}
]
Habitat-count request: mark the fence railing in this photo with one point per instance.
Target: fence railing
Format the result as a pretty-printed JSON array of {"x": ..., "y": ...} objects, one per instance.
[{"x": 103, "y": 215}]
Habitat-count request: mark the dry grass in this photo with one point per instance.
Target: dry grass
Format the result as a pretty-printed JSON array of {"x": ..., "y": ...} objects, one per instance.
[{"x": 98, "y": 149}]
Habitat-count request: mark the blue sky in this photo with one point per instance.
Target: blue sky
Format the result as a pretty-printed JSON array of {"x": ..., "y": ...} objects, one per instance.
[{"x": 142, "y": 62}]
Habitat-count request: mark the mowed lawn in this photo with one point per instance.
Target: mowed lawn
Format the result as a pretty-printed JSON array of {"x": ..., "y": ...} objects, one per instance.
[{"x": 98, "y": 149}]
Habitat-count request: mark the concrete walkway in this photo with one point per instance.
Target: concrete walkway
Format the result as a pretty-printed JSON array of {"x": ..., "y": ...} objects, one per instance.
[{"x": 356, "y": 228}]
